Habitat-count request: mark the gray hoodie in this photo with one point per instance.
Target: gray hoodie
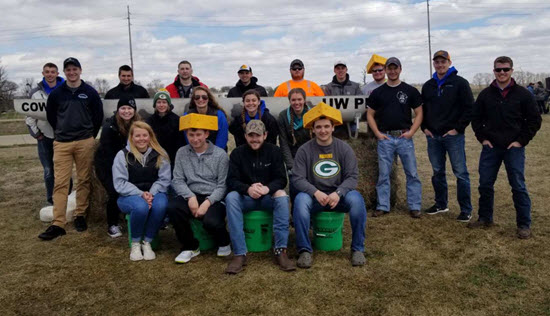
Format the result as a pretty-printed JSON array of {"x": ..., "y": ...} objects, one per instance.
[
  {"x": 204, "y": 175},
  {"x": 120, "y": 175}
]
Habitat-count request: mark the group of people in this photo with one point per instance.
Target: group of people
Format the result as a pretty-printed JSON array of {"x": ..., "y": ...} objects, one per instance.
[
  {"x": 178, "y": 167},
  {"x": 541, "y": 95}
]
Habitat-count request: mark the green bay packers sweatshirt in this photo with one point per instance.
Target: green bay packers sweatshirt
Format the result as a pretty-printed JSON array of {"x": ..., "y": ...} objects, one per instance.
[{"x": 331, "y": 168}]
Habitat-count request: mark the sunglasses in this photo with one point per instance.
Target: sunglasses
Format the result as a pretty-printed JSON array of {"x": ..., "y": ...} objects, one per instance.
[
  {"x": 296, "y": 69},
  {"x": 198, "y": 97},
  {"x": 377, "y": 70},
  {"x": 502, "y": 69}
]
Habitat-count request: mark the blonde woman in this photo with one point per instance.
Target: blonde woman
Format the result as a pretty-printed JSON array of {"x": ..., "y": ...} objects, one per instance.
[{"x": 141, "y": 175}]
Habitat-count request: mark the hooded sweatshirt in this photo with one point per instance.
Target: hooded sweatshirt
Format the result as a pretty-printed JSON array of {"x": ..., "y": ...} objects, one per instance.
[
  {"x": 347, "y": 87},
  {"x": 176, "y": 89},
  {"x": 448, "y": 103},
  {"x": 41, "y": 127},
  {"x": 122, "y": 175},
  {"x": 239, "y": 89},
  {"x": 236, "y": 126}
]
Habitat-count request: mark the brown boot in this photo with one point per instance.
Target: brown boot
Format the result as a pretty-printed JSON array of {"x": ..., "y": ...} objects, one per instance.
[
  {"x": 281, "y": 259},
  {"x": 236, "y": 264}
]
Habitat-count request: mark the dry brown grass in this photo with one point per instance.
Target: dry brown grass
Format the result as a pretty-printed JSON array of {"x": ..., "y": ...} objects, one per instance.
[
  {"x": 15, "y": 127},
  {"x": 431, "y": 266}
]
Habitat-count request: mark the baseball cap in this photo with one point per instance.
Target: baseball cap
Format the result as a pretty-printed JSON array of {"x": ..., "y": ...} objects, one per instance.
[
  {"x": 442, "y": 53},
  {"x": 71, "y": 61},
  {"x": 256, "y": 127},
  {"x": 340, "y": 62},
  {"x": 393, "y": 61},
  {"x": 296, "y": 62},
  {"x": 244, "y": 68}
]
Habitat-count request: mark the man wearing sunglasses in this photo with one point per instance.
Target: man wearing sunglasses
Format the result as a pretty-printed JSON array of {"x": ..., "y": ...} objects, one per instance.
[
  {"x": 505, "y": 118},
  {"x": 375, "y": 66},
  {"x": 297, "y": 71},
  {"x": 448, "y": 103}
]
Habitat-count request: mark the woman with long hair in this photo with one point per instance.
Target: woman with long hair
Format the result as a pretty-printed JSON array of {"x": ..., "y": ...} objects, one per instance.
[
  {"x": 114, "y": 136},
  {"x": 292, "y": 133},
  {"x": 141, "y": 175},
  {"x": 253, "y": 109},
  {"x": 165, "y": 123},
  {"x": 203, "y": 102}
]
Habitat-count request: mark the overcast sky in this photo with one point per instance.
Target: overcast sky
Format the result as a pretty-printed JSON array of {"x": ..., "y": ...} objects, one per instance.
[{"x": 219, "y": 36}]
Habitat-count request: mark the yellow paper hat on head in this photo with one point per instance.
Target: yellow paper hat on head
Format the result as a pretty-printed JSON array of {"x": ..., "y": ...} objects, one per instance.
[
  {"x": 199, "y": 121},
  {"x": 322, "y": 110},
  {"x": 375, "y": 59}
]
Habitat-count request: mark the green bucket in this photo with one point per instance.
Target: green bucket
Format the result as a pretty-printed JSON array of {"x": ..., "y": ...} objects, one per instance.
[
  {"x": 154, "y": 244},
  {"x": 258, "y": 230},
  {"x": 206, "y": 241},
  {"x": 327, "y": 231}
]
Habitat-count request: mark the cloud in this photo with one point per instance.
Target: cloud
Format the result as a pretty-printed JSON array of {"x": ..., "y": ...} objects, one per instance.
[{"x": 217, "y": 37}]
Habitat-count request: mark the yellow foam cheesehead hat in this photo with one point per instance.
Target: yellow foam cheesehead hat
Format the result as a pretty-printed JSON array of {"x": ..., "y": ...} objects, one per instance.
[
  {"x": 199, "y": 121},
  {"x": 322, "y": 110},
  {"x": 375, "y": 59}
]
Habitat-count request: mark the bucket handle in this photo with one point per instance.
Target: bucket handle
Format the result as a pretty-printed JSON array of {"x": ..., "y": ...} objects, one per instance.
[{"x": 328, "y": 234}]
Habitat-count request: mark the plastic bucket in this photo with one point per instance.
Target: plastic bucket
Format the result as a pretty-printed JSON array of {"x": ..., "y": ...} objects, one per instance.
[
  {"x": 327, "y": 231},
  {"x": 206, "y": 241},
  {"x": 154, "y": 244},
  {"x": 258, "y": 230}
]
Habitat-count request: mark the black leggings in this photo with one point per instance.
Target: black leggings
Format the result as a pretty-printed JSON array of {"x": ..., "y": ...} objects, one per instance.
[{"x": 213, "y": 222}]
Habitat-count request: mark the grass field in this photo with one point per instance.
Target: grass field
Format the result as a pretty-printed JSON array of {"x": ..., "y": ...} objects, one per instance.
[
  {"x": 13, "y": 127},
  {"x": 430, "y": 266}
]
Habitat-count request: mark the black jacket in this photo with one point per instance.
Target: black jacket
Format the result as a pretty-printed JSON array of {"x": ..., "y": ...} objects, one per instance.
[
  {"x": 110, "y": 143},
  {"x": 236, "y": 128},
  {"x": 289, "y": 150},
  {"x": 247, "y": 166},
  {"x": 238, "y": 90},
  {"x": 504, "y": 120},
  {"x": 448, "y": 107},
  {"x": 74, "y": 116},
  {"x": 134, "y": 90},
  {"x": 166, "y": 129}
]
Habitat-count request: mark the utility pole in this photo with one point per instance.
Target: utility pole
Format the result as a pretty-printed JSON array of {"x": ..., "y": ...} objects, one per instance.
[
  {"x": 429, "y": 38},
  {"x": 130, "y": 39}
]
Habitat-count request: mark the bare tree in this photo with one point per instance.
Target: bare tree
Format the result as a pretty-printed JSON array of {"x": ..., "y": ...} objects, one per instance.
[
  {"x": 225, "y": 89},
  {"x": 154, "y": 86},
  {"x": 102, "y": 86},
  {"x": 26, "y": 86},
  {"x": 270, "y": 91},
  {"x": 364, "y": 75},
  {"x": 7, "y": 91}
]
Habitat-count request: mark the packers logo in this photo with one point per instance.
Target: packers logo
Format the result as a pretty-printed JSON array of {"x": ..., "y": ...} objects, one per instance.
[{"x": 326, "y": 168}]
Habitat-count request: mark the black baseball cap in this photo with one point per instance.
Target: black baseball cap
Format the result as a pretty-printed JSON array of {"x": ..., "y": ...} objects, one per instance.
[
  {"x": 71, "y": 61},
  {"x": 393, "y": 61},
  {"x": 296, "y": 62}
]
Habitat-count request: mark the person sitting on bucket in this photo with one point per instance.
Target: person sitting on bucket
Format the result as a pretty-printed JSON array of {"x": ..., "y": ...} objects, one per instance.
[
  {"x": 199, "y": 181},
  {"x": 325, "y": 173},
  {"x": 256, "y": 181}
]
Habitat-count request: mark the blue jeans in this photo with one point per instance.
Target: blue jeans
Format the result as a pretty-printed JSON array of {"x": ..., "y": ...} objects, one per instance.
[
  {"x": 438, "y": 147},
  {"x": 387, "y": 149},
  {"x": 143, "y": 219},
  {"x": 514, "y": 162},
  {"x": 237, "y": 204},
  {"x": 352, "y": 202}
]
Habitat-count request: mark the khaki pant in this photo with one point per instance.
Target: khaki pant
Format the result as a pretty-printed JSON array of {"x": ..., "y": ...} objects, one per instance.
[{"x": 64, "y": 153}]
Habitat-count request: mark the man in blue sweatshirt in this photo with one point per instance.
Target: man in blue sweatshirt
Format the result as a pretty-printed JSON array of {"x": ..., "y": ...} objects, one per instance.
[
  {"x": 447, "y": 107},
  {"x": 325, "y": 173}
]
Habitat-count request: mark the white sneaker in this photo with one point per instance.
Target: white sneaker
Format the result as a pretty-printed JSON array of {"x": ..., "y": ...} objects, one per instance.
[
  {"x": 135, "y": 253},
  {"x": 186, "y": 255},
  {"x": 148, "y": 253},
  {"x": 224, "y": 251},
  {"x": 114, "y": 231}
]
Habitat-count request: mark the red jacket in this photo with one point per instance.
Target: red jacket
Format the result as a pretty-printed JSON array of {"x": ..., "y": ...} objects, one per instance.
[{"x": 176, "y": 90}]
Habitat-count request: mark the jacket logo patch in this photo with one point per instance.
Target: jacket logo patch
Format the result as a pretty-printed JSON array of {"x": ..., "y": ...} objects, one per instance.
[
  {"x": 326, "y": 168},
  {"x": 402, "y": 97},
  {"x": 82, "y": 96}
]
